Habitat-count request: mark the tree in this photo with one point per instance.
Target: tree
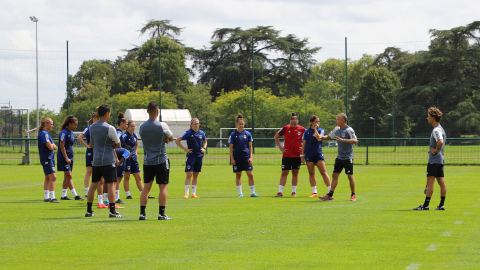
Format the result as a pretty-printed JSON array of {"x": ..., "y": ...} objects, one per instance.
[
  {"x": 140, "y": 68},
  {"x": 376, "y": 99},
  {"x": 270, "y": 111},
  {"x": 161, "y": 28},
  {"x": 227, "y": 64}
]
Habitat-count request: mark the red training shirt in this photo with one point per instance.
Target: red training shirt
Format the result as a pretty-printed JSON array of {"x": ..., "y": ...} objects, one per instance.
[{"x": 293, "y": 140}]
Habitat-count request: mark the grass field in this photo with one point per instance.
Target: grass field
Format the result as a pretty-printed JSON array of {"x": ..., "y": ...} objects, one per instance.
[{"x": 222, "y": 231}]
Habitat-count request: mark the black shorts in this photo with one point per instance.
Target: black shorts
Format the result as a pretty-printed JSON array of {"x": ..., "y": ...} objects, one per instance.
[
  {"x": 343, "y": 163},
  {"x": 109, "y": 173},
  {"x": 291, "y": 163},
  {"x": 160, "y": 172},
  {"x": 435, "y": 169}
]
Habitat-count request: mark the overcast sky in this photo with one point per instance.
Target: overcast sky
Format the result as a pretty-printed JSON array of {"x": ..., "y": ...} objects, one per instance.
[{"x": 112, "y": 25}]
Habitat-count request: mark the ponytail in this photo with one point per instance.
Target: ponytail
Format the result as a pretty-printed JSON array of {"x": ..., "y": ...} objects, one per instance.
[
  {"x": 68, "y": 120},
  {"x": 43, "y": 121}
]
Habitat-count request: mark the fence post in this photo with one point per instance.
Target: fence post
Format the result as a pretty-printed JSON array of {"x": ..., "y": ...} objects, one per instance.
[
  {"x": 206, "y": 131},
  {"x": 367, "y": 152}
]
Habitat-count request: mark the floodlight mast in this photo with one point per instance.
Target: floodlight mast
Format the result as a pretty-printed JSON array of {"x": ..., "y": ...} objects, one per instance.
[{"x": 35, "y": 20}]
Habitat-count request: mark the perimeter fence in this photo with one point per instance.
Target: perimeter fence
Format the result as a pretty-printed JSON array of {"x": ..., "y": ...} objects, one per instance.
[{"x": 368, "y": 151}]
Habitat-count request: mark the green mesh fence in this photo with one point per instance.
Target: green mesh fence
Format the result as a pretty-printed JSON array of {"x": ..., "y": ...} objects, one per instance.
[{"x": 368, "y": 151}]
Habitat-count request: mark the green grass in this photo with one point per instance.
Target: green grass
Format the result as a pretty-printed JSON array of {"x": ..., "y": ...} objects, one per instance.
[{"x": 222, "y": 231}]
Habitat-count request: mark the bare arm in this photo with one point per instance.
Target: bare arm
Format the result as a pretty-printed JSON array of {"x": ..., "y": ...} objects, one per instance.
[
  {"x": 350, "y": 141},
  {"x": 51, "y": 146},
  {"x": 204, "y": 147},
  {"x": 277, "y": 141},
  {"x": 439, "y": 147},
  {"x": 81, "y": 141},
  {"x": 64, "y": 152},
  {"x": 303, "y": 151},
  {"x": 177, "y": 141},
  {"x": 250, "y": 160},
  {"x": 231, "y": 155}
]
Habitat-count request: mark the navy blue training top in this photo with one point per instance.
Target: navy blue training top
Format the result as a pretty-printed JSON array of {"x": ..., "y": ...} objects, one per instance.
[{"x": 240, "y": 142}]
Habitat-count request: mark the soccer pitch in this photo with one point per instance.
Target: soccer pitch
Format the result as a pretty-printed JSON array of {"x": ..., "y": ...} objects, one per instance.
[{"x": 222, "y": 231}]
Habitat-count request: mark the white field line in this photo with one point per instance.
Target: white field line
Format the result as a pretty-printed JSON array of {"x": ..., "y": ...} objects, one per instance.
[
  {"x": 446, "y": 234},
  {"x": 413, "y": 266},
  {"x": 433, "y": 247}
]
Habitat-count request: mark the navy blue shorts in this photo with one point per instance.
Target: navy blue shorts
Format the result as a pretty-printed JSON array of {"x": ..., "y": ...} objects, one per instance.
[
  {"x": 121, "y": 170},
  {"x": 194, "y": 164},
  {"x": 132, "y": 166},
  {"x": 241, "y": 164},
  {"x": 63, "y": 166},
  {"x": 49, "y": 167},
  {"x": 89, "y": 158},
  {"x": 315, "y": 159}
]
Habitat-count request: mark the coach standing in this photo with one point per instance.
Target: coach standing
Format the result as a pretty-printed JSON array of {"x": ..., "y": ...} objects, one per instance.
[
  {"x": 346, "y": 138},
  {"x": 435, "y": 160},
  {"x": 102, "y": 137},
  {"x": 156, "y": 165}
]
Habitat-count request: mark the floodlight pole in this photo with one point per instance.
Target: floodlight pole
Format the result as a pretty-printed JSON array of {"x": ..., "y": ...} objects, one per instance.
[
  {"x": 35, "y": 20},
  {"x": 68, "y": 92}
]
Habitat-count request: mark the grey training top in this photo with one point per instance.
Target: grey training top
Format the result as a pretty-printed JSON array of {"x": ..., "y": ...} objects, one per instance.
[
  {"x": 437, "y": 134},
  {"x": 102, "y": 135},
  {"x": 153, "y": 134},
  {"x": 345, "y": 150}
]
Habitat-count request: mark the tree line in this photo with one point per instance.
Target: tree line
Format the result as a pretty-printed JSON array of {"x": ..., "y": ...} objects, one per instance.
[{"x": 218, "y": 79}]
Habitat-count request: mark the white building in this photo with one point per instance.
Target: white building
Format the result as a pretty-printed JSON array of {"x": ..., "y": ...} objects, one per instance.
[{"x": 178, "y": 120}]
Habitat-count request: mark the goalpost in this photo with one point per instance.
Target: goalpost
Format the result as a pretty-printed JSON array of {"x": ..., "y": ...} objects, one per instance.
[{"x": 226, "y": 129}]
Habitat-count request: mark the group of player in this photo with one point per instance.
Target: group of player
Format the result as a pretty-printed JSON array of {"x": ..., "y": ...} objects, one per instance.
[{"x": 113, "y": 155}]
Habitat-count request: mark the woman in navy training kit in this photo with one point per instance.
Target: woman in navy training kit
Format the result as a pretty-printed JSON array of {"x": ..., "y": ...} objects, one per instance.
[
  {"x": 65, "y": 155},
  {"x": 313, "y": 154},
  {"x": 241, "y": 155},
  {"x": 197, "y": 143},
  {"x": 46, "y": 146},
  {"x": 130, "y": 138}
]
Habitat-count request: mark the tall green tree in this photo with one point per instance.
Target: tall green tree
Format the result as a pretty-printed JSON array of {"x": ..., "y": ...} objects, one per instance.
[
  {"x": 376, "y": 99},
  {"x": 161, "y": 28},
  {"x": 227, "y": 64}
]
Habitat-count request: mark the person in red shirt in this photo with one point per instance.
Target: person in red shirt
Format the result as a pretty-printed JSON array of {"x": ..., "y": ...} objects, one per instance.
[{"x": 292, "y": 149}]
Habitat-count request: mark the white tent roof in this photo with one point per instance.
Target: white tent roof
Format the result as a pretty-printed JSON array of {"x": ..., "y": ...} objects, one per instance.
[{"x": 171, "y": 116}]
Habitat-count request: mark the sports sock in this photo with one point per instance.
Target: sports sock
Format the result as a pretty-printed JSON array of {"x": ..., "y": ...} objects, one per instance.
[
  {"x": 127, "y": 193},
  {"x": 294, "y": 188},
  {"x": 52, "y": 195},
  {"x": 194, "y": 189},
  {"x": 252, "y": 189},
  {"x": 64, "y": 192},
  {"x": 161, "y": 210},
  {"x": 86, "y": 190},
  {"x": 100, "y": 199},
  {"x": 427, "y": 201},
  {"x": 45, "y": 194},
  {"x": 187, "y": 189},
  {"x": 330, "y": 193},
  {"x": 280, "y": 189},
  {"x": 74, "y": 192},
  {"x": 112, "y": 208},
  {"x": 105, "y": 196},
  {"x": 117, "y": 194},
  {"x": 329, "y": 187},
  {"x": 442, "y": 200},
  {"x": 353, "y": 193},
  {"x": 89, "y": 207},
  {"x": 239, "y": 189},
  {"x": 314, "y": 189},
  {"x": 142, "y": 210}
]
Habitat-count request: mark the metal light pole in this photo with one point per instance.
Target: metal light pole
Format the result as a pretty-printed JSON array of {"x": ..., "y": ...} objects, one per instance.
[
  {"x": 373, "y": 130},
  {"x": 35, "y": 20}
]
